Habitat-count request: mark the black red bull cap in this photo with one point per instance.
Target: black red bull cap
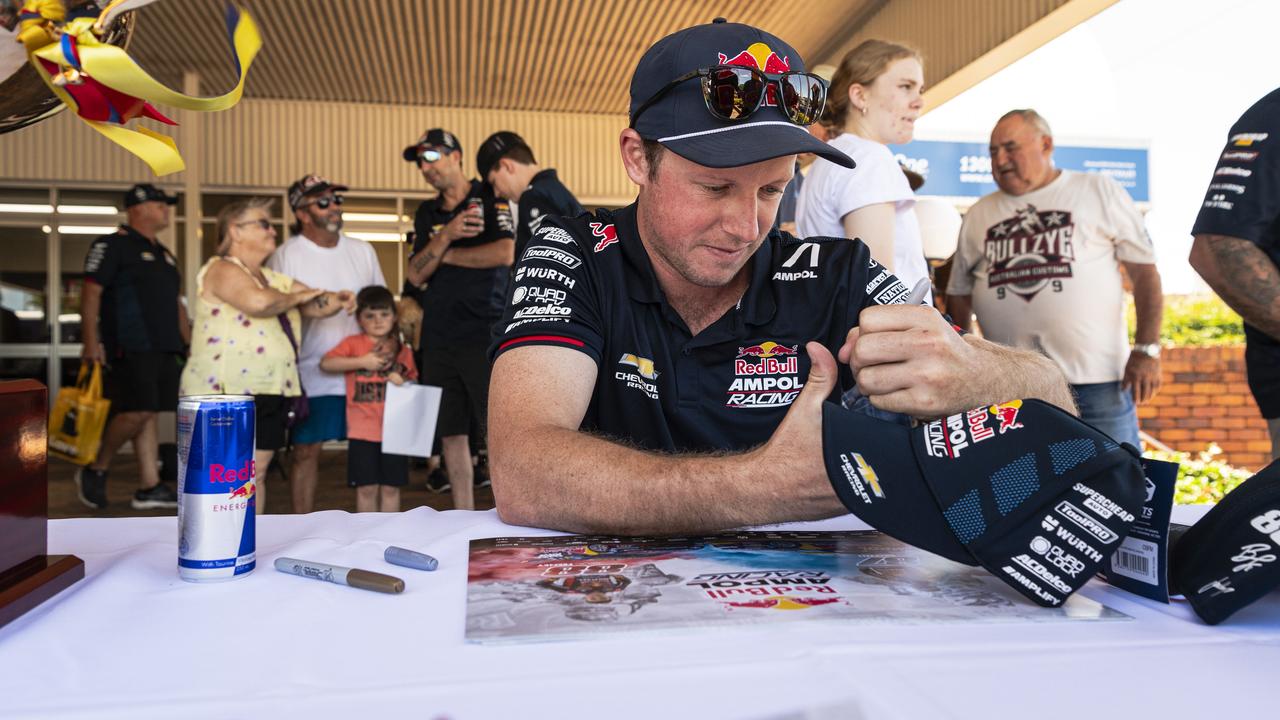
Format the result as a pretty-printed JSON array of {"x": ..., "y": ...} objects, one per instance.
[
  {"x": 680, "y": 120},
  {"x": 1228, "y": 559},
  {"x": 438, "y": 138},
  {"x": 1022, "y": 488},
  {"x": 146, "y": 192}
]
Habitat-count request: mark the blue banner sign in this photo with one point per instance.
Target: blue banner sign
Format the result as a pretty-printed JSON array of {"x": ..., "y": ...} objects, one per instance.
[{"x": 963, "y": 169}]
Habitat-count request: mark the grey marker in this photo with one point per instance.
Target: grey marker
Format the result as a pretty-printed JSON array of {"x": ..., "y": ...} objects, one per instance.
[
  {"x": 409, "y": 558},
  {"x": 352, "y": 577},
  {"x": 853, "y": 398}
]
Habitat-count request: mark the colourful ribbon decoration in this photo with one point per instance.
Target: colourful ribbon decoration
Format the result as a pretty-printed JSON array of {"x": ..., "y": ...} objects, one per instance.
[{"x": 107, "y": 89}]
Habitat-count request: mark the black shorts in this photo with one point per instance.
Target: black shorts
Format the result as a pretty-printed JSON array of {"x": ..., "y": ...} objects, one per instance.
[
  {"x": 142, "y": 382},
  {"x": 270, "y": 415},
  {"x": 463, "y": 373},
  {"x": 368, "y": 465}
]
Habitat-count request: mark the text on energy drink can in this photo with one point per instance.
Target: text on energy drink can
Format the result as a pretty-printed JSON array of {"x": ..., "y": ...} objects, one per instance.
[{"x": 216, "y": 487}]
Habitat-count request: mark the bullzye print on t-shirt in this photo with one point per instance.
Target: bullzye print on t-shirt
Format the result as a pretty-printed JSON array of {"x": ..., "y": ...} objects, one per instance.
[{"x": 1030, "y": 251}]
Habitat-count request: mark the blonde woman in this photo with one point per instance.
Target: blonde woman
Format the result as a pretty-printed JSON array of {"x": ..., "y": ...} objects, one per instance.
[
  {"x": 247, "y": 325},
  {"x": 875, "y": 98}
]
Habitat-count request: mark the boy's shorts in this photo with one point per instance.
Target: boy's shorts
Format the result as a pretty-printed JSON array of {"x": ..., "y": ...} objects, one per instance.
[{"x": 368, "y": 465}]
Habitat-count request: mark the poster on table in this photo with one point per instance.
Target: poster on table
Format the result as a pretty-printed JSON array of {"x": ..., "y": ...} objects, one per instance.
[{"x": 522, "y": 589}]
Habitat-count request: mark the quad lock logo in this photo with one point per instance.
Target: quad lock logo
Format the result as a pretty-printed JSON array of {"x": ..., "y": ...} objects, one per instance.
[{"x": 765, "y": 375}]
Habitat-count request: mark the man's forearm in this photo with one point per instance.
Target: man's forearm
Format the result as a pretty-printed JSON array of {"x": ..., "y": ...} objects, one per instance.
[
  {"x": 1243, "y": 276},
  {"x": 499, "y": 253},
  {"x": 424, "y": 263},
  {"x": 572, "y": 481},
  {"x": 1148, "y": 302},
  {"x": 89, "y": 306},
  {"x": 1018, "y": 374}
]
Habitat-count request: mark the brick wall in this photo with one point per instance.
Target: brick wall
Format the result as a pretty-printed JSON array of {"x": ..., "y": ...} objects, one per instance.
[{"x": 1205, "y": 398}]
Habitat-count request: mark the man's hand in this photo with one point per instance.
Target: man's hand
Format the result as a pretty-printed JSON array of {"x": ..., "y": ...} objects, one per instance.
[
  {"x": 907, "y": 359},
  {"x": 464, "y": 225},
  {"x": 1142, "y": 373},
  {"x": 93, "y": 352},
  {"x": 797, "y": 443},
  {"x": 347, "y": 300},
  {"x": 374, "y": 360}
]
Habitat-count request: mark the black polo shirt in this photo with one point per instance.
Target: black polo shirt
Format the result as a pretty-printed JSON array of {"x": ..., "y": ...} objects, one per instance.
[
  {"x": 545, "y": 196},
  {"x": 460, "y": 305},
  {"x": 1243, "y": 201},
  {"x": 140, "y": 288},
  {"x": 587, "y": 284}
]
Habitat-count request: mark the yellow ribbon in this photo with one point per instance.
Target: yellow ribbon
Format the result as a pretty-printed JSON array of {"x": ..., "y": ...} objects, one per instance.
[{"x": 110, "y": 66}]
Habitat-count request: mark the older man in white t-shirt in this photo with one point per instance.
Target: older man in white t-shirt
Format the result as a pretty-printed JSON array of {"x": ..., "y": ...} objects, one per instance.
[
  {"x": 1040, "y": 261},
  {"x": 318, "y": 254}
]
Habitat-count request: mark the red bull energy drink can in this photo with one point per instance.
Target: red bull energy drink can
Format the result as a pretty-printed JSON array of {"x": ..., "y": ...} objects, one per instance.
[{"x": 216, "y": 487}]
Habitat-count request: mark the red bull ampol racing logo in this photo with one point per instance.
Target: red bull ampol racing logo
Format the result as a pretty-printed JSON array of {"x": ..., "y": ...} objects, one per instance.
[
  {"x": 765, "y": 375},
  {"x": 948, "y": 438}
]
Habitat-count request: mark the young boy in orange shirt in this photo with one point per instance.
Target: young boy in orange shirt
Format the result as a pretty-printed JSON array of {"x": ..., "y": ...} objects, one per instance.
[{"x": 370, "y": 360}]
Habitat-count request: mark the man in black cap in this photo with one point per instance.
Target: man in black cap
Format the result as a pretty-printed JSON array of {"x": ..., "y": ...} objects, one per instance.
[
  {"x": 648, "y": 375},
  {"x": 134, "y": 323},
  {"x": 506, "y": 162},
  {"x": 462, "y": 252}
]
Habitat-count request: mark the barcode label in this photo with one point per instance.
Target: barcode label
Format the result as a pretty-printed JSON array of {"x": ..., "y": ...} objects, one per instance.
[{"x": 1136, "y": 559}]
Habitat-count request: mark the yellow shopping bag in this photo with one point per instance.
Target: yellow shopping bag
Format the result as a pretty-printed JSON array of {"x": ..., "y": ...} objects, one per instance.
[{"x": 78, "y": 417}]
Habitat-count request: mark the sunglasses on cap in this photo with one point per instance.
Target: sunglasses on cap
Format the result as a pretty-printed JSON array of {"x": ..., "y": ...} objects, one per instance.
[
  {"x": 734, "y": 92},
  {"x": 325, "y": 202}
]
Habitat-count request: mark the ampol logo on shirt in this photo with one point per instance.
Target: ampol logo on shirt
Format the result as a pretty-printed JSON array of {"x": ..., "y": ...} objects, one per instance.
[{"x": 765, "y": 375}]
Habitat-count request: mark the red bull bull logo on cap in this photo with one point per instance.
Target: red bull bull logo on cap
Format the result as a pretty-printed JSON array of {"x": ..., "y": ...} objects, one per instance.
[
  {"x": 760, "y": 57},
  {"x": 765, "y": 375},
  {"x": 948, "y": 438}
]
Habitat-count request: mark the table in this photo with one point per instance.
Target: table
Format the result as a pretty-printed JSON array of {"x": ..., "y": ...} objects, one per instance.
[{"x": 134, "y": 641}]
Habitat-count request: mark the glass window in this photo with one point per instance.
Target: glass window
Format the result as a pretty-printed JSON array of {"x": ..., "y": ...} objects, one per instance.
[
  {"x": 71, "y": 252},
  {"x": 23, "y": 279}
]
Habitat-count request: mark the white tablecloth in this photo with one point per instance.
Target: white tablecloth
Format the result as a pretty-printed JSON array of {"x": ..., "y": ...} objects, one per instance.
[{"x": 133, "y": 641}]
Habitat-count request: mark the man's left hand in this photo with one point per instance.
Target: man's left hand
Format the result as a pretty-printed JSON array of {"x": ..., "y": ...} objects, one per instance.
[{"x": 1142, "y": 373}]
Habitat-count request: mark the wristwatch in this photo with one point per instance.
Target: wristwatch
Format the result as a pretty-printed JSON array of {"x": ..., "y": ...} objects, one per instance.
[{"x": 1151, "y": 350}]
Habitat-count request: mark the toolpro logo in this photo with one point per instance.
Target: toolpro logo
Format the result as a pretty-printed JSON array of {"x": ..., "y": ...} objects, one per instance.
[
  {"x": 606, "y": 235},
  {"x": 765, "y": 375},
  {"x": 763, "y": 58}
]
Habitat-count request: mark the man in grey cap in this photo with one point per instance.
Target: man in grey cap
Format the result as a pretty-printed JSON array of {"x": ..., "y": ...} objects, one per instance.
[{"x": 648, "y": 375}]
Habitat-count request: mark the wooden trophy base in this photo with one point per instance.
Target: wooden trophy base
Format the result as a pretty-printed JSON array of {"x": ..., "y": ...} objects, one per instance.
[{"x": 29, "y": 585}]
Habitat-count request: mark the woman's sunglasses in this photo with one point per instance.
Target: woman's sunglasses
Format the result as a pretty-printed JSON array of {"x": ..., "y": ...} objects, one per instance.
[
  {"x": 263, "y": 223},
  {"x": 734, "y": 92},
  {"x": 325, "y": 202}
]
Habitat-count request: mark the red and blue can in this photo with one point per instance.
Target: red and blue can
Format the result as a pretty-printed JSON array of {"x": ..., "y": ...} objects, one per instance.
[{"x": 216, "y": 487}]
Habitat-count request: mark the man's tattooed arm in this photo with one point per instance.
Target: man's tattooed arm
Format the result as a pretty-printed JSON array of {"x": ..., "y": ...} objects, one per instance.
[{"x": 1243, "y": 276}]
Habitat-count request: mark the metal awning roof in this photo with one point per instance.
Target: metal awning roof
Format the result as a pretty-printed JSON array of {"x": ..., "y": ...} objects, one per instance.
[{"x": 545, "y": 55}]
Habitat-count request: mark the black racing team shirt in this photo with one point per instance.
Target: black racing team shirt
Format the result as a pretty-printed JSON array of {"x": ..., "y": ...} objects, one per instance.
[
  {"x": 140, "y": 288},
  {"x": 587, "y": 284},
  {"x": 460, "y": 305},
  {"x": 545, "y": 196},
  {"x": 1243, "y": 201}
]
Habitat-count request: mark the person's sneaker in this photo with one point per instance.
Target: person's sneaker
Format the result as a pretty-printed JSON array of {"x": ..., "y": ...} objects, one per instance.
[
  {"x": 91, "y": 487},
  {"x": 438, "y": 481},
  {"x": 482, "y": 472},
  {"x": 155, "y": 498}
]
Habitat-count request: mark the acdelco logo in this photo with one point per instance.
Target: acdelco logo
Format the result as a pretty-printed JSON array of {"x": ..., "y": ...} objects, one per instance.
[{"x": 221, "y": 473}]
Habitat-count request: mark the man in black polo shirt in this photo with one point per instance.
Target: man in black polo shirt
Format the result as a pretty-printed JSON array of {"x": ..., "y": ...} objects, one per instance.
[
  {"x": 661, "y": 369},
  {"x": 463, "y": 247},
  {"x": 133, "y": 321},
  {"x": 1237, "y": 246},
  {"x": 506, "y": 162}
]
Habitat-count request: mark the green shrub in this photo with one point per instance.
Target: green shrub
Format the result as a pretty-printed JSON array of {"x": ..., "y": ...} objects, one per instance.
[
  {"x": 1201, "y": 479},
  {"x": 1196, "y": 320}
]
